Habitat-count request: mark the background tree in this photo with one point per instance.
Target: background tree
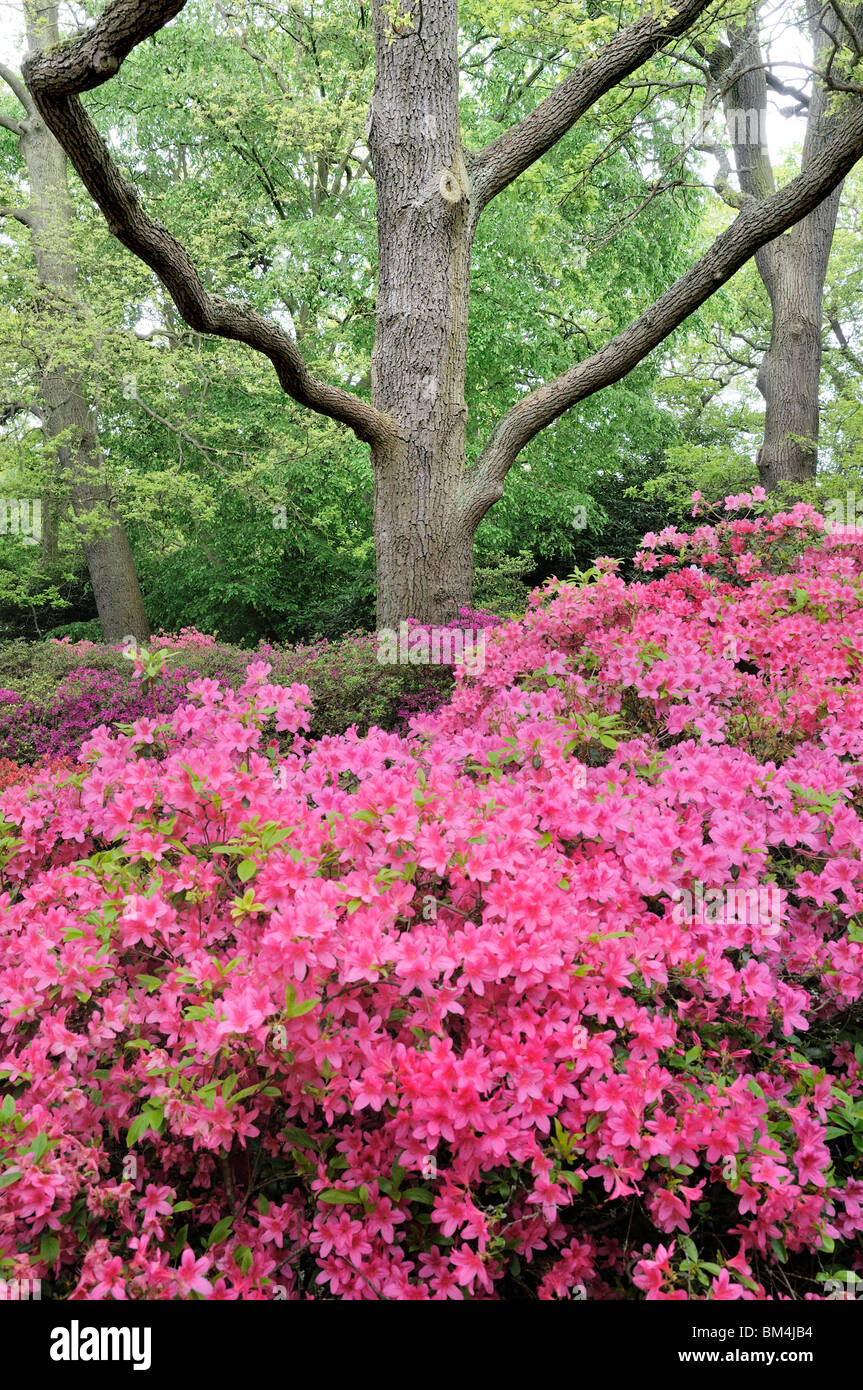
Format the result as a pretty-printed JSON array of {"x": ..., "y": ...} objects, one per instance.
[
  {"x": 793, "y": 267},
  {"x": 68, "y": 421},
  {"x": 709, "y": 379}
]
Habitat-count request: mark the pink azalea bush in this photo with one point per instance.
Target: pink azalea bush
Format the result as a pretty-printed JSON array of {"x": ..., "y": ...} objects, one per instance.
[
  {"x": 473, "y": 1011},
  {"x": 32, "y": 730},
  {"x": 102, "y": 687}
]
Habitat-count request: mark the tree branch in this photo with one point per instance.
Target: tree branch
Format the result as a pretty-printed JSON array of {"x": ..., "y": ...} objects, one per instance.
[
  {"x": 496, "y": 166},
  {"x": 759, "y": 222},
  {"x": 54, "y": 80},
  {"x": 776, "y": 85},
  {"x": 738, "y": 69},
  {"x": 10, "y": 409},
  {"x": 722, "y": 182},
  {"x": 23, "y": 215},
  {"x": 243, "y": 43},
  {"x": 844, "y": 346},
  {"x": 14, "y": 83}
]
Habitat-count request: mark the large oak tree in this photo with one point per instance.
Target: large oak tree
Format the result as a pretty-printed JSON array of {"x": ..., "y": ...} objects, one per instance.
[{"x": 431, "y": 193}]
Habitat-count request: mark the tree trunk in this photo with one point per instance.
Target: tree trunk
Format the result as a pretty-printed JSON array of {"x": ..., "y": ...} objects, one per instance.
[
  {"x": 68, "y": 418},
  {"x": 423, "y": 529},
  {"x": 790, "y": 374},
  {"x": 794, "y": 266}
]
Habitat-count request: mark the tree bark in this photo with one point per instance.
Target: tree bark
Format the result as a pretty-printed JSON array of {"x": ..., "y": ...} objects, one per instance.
[
  {"x": 793, "y": 268},
  {"x": 68, "y": 423},
  {"x": 789, "y": 378},
  {"x": 423, "y": 542}
]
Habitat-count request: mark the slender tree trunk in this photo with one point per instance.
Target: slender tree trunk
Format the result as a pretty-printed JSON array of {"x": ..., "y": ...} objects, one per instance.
[
  {"x": 789, "y": 378},
  {"x": 423, "y": 530},
  {"x": 69, "y": 426},
  {"x": 794, "y": 266}
]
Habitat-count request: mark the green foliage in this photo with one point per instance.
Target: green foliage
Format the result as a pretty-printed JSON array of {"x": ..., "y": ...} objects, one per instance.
[
  {"x": 502, "y": 587},
  {"x": 348, "y": 683}
]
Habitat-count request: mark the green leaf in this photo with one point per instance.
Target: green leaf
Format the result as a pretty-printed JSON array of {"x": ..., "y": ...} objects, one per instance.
[
  {"x": 246, "y": 1091},
  {"x": 246, "y": 869},
  {"x": 219, "y": 1232},
  {"x": 306, "y": 1007},
  {"x": 148, "y": 1119},
  {"x": 335, "y": 1197},
  {"x": 49, "y": 1248},
  {"x": 295, "y": 1010}
]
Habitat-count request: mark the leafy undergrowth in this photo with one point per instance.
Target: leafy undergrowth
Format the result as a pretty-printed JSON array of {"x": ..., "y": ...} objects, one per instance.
[
  {"x": 57, "y": 692},
  {"x": 556, "y": 995}
]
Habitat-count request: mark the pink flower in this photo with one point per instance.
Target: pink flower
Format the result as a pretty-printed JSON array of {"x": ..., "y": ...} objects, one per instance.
[
  {"x": 190, "y": 1275},
  {"x": 112, "y": 1280},
  {"x": 722, "y": 1287},
  {"x": 470, "y": 1268}
]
